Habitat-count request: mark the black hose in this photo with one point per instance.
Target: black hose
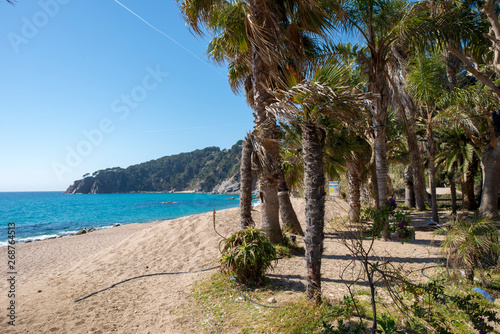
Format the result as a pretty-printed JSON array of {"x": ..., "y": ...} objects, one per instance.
[
  {"x": 252, "y": 301},
  {"x": 142, "y": 276}
]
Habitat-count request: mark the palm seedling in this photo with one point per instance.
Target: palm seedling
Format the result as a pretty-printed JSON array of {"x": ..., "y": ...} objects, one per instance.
[{"x": 466, "y": 242}]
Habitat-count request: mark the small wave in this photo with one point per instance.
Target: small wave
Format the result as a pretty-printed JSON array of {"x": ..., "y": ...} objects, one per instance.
[{"x": 47, "y": 236}]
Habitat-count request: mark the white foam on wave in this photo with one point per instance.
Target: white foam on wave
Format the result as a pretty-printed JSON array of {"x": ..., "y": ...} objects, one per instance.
[{"x": 48, "y": 236}]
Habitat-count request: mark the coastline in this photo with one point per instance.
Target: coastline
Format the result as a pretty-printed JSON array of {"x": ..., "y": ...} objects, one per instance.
[{"x": 35, "y": 220}]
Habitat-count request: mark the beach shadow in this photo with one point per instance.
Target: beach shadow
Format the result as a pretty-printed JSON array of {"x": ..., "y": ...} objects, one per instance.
[
  {"x": 388, "y": 259},
  {"x": 287, "y": 282},
  {"x": 294, "y": 282},
  {"x": 350, "y": 235}
]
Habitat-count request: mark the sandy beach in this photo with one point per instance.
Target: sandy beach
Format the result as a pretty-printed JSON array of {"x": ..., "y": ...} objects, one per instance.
[{"x": 52, "y": 274}]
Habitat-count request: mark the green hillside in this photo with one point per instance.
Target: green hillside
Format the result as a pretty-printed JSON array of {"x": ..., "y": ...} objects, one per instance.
[{"x": 200, "y": 171}]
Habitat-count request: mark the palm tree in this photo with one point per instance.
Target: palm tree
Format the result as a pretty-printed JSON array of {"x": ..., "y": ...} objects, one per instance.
[
  {"x": 326, "y": 95},
  {"x": 345, "y": 151},
  {"x": 288, "y": 216},
  {"x": 426, "y": 82},
  {"x": 260, "y": 38}
]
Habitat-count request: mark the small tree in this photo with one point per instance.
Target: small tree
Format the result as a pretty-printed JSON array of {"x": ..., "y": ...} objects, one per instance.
[{"x": 360, "y": 241}]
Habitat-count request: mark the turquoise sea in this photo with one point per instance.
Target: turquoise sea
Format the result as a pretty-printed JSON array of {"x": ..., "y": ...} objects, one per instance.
[{"x": 42, "y": 215}]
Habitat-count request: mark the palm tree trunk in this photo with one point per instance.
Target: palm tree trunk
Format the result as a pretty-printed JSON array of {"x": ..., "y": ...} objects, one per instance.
[
  {"x": 288, "y": 216},
  {"x": 246, "y": 183},
  {"x": 398, "y": 70},
  {"x": 410, "y": 190},
  {"x": 432, "y": 170},
  {"x": 374, "y": 184},
  {"x": 354, "y": 182},
  {"x": 453, "y": 189},
  {"x": 314, "y": 181},
  {"x": 490, "y": 163},
  {"x": 468, "y": 191},
  {"x": 418, "y": 169},
  {"x": 379, "y": 125},
  {"x": 265, "y": 124}
]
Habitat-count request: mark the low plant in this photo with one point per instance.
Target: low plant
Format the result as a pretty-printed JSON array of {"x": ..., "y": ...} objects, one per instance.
[
  {"x": 388, "y": 325},
  {"x": 247, "y": 254},
  {"x": 439, "y": 307},
  {"x": 288, "y": 248},
  {"x": 468, "y": 241}
]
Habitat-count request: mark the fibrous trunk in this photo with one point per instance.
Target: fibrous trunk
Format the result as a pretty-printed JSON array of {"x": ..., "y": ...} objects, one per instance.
[
  {"x": 379, "y": 125},
  {"x": 418, "y": 169},
  {"x": 453, "y": 190},
  {"x": 432, "y": 170},
  {"x": 406, "y": 110},
  {"x": 265, "y": 124},
  {"x": 409, "y": 189},
  {"x": 246, "y": 183},
  {"x": 314, "y": 182},
  {"x": 288, "y": 216},
  {"x": 354, "y": 181},
  {"x": 374, "y": 184},
  {"x": 490, "y": 163},
  {"x": 468, "y": 191}
]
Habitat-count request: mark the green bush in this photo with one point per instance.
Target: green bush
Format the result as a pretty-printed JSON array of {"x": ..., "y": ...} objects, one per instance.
[
  {"x": 468, "y": 241},
  {"x": 247, "y": 254}
]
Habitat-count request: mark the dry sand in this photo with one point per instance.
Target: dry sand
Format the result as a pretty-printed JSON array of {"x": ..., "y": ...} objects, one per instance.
[{"x": 54, "y": 273}]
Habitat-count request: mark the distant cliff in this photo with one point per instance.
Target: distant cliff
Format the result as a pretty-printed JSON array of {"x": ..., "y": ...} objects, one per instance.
[{"x": 207, "y": 170}]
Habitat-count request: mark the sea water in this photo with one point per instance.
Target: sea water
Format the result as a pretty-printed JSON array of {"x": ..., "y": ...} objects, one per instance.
[{"x": 42, "y": 215}]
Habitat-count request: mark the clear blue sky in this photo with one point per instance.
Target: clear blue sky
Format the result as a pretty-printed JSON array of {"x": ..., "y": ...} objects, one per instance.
[{"x": 86, "y": 85}]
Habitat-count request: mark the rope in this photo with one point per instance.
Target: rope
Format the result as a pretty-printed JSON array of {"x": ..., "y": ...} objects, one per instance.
[
  {"x": 425, "y": 268},
  {"x": 142, "y": 276}
]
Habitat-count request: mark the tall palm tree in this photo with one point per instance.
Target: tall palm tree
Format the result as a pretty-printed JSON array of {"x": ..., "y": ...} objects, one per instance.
[
  {"x": 326, "y": 95},
  {"x": 260, "y": 38},
  {"x": 426, "y": 82}
]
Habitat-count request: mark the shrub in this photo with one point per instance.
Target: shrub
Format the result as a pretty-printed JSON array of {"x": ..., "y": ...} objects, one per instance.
[
  {"x": 466, "y": 242},
  {"x": 248, "y": 254},
  {"x": 398, "y": 221}
]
